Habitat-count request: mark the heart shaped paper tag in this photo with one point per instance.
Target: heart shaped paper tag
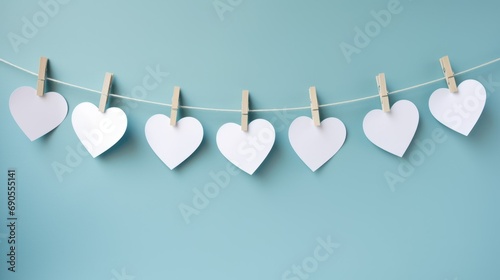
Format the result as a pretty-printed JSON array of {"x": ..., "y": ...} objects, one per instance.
[
  {"x": 459, "y": 111},
  {"x": 96, "y": 130},
  {"x": 173, "y": 144},
  {"x": 246, "y": 150},
  {"x": 315, "y": 145},
  {"x": 37, "y": 115},
  {"x": 394, "y": 130}
]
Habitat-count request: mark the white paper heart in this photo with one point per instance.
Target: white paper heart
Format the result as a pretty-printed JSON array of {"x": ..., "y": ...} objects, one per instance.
[
  {"x": 315, "y": 145},
  {"x": 394, "y": 130},
  {"x": 459, "y": 111},
  {"x": 98, "y": 131},
  {"x": 37, "y": 115},
  {"x": 173, "y": 144},
  {"x": 246, "y": 150}
]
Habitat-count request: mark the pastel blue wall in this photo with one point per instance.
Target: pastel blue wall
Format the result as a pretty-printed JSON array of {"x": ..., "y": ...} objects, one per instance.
[{"x": 118, "y": 215}]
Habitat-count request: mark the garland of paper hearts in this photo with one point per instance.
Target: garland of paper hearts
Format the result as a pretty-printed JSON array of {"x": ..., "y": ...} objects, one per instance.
[{"x": 391, "y": 131}]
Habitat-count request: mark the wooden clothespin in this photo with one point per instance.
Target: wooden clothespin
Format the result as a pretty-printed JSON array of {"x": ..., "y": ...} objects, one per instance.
[
  {"x": 108, "y": 79},
  {"x": 382, "y": 91},
  {"x": 448, "y": 73},
  {"x": 42, "y": 74},
  {"x": 175, "y": 106},
  {"x": 244, "y": 110},
  {"x": 314, "y": 106}
]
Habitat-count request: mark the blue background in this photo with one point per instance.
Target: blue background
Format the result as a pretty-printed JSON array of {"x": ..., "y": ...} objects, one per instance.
[{"x": 120, "y": 211}]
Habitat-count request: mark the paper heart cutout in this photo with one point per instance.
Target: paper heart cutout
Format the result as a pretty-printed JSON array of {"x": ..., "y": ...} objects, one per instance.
[
  {"x": 37, "y": 115},
  {"x": 394, "y": 130},
  {"x": 96, "y": 130},
  {"x": 246, "y": 150},
  {"x": 173, "y": 144},
  {"x": 315, "y": 145},
  {"x": 459, "y": 111}
]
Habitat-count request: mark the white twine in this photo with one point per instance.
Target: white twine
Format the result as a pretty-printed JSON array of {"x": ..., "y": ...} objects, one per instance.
[{"x": 253, "y": 110}]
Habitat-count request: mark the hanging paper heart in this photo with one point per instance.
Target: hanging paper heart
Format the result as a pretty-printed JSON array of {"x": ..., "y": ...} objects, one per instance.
[
  {"x": 96, "y": 130},
  {"x": 315, "y": 145},
  {"x": 173, "y": 144},
  {"x": 394, "y": 130},
  {"x": 246, "y": 150},
  {"x": 459, "y": 111},
  {"x": 37, "y": 115}
]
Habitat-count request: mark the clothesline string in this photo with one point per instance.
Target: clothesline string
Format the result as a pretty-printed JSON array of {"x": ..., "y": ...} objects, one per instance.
[{"x": 252, "y": 110}]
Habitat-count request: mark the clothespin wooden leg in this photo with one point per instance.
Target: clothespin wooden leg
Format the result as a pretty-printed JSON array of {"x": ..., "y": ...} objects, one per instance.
[
  {"x": 42, "y": 74},
  {"x": 448, "y": 73},
  {"x": 108, "y": 79},
  {"x": 383, "y": 93},
  {"x": 314, "y": 106},
  {"x": 244, "y": 111},
  {"x": 175, "y": 106}
]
